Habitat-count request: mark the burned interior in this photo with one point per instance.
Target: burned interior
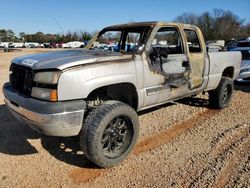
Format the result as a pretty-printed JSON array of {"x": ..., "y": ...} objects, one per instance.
[{"x": 165, "y": 55}]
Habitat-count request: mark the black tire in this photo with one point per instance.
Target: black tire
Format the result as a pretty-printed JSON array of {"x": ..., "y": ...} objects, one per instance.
[
  {"x": 109, "y": 133},
  {"x": 221, "y": 96}
]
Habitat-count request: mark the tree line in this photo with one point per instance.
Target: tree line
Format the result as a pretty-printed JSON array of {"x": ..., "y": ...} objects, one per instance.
[
  {"x": 40, "y": 37},
  {"x": 215, "y": 25},
  {"x": 218, "y": 24}
]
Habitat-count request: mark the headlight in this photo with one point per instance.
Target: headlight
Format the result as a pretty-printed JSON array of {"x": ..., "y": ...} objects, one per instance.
[
  {"x": 47, "y": 77},
  {"x": 44, "y": 93}
]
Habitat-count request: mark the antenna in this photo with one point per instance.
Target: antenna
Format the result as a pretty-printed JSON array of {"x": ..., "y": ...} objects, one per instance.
[{"x": 58, "y": 25}]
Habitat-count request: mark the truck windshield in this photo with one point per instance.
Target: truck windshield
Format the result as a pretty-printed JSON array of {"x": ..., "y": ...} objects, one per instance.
[{"x": 124, "y": 40}]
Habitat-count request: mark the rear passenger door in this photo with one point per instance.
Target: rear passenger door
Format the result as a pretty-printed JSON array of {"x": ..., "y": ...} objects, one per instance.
[{"x": 196, "y": 56}]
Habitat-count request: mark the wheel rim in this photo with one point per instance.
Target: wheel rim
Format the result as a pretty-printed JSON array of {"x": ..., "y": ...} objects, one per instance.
[
  {"x": 227, "y": 92},
  {"x": 117, "y": 137}
]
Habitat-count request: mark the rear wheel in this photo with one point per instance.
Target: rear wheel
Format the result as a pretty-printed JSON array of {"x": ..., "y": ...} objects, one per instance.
[
  {"x": 109, "y": 133},
  {"x": 221, "y": 96}
]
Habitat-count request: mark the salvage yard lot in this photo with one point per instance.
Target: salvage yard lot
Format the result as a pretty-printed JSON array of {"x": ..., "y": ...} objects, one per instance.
[{"x": 181, "y": 144}]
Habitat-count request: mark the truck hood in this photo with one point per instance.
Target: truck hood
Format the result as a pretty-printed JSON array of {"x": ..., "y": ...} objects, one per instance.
[{"x": 67, "y": 58}]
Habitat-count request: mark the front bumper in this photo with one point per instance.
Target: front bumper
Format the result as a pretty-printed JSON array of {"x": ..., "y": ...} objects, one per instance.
[{"x": 49, "y": 118}]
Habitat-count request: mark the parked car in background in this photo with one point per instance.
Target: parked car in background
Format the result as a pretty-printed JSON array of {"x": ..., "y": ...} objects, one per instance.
[
  {"x": 16, "y": 45},
  {"x": 244, "y": 47},
  {"x": 74, "y": 44},
  {"x": 230, "y": 44},
  {"x": 46, "y": 45},
  {"x": 105, "y": 47},
  {"x": 4, "y": 44},
  {"x": 215, "y": 45},
  {"x": 31, "y": 44}
]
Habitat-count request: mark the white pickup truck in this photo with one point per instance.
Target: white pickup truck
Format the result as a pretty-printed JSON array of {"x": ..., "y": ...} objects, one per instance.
[{"x": 96, "y": 93}]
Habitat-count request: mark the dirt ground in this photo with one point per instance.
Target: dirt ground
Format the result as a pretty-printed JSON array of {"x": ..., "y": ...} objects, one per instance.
[{"x": 181, "y": 144}]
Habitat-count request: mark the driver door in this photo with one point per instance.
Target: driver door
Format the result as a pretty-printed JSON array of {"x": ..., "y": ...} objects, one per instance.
[{"x": 169, "y": 63}]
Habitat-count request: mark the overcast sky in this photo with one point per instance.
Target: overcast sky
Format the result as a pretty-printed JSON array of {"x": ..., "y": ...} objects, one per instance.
[{"x": 60, "y": 16}]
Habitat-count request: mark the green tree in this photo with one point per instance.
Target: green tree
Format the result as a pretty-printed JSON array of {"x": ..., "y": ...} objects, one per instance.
[
  {"x": 86, "y": 36},
  {"x": 206, "y": 23},
  {"x": 188, "y": 18},
  {"x": 3, "y": 35},
  {"x": 245, "y": 30},
  {"x": 10, "y": 35},
  {"x": 39, "y": 37},
  {"x": 22, "y": 36},
  {"x": 227, "y": 25},
  {"x": 218, "y": 24}
]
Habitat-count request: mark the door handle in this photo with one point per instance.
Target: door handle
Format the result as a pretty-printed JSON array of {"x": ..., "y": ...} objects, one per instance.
[{"x": 185, "y": 64}]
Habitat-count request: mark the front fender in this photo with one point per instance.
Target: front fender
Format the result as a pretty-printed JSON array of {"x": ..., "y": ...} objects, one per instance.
[{"x": 79, "y": 83}]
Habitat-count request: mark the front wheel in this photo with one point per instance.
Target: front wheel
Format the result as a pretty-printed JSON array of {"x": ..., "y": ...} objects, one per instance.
[
  {"x": 109, "y": 133},
  {"x": 221, "y": 96}
]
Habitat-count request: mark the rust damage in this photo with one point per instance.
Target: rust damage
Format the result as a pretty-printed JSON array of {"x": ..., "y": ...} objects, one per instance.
[{"x": 159, "y": 54}]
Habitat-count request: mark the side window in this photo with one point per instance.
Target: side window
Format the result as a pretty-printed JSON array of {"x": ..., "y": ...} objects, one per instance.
[
  {"x": 108, "y": 41},
  {"x": 168, "y": 38},
  {"x": 193, "y": 41},
  {"x": 109, "y": 37},
  {"x": 132, "y": 41}
]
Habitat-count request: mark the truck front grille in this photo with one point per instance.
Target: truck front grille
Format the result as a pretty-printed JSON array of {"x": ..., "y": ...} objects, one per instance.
[{"x": 21, "y": 79}]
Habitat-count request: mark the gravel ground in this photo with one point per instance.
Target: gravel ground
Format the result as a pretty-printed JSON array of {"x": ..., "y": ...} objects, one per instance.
[{"x": 181, "y": 144}]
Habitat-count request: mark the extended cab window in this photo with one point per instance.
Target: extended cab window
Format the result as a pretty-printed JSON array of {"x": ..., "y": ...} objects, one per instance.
[
  {"x": 108, "y": 41},
  {"x": 132, "y": 41},
  {"x": 168, "y": 38},
  {"x": 193, "y": 41}
]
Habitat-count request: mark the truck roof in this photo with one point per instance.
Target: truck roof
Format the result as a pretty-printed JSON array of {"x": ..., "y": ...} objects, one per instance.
[{"x": 149, "y": 24}]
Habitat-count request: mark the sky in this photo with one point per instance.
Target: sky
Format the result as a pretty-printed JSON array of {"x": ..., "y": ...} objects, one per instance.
[{"x": 61, "y": 16}]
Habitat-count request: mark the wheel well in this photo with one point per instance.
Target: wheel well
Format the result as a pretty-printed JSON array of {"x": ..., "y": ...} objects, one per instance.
[
  {"x": 124, "y": 92},
  {"x": 228, "y": 72}
]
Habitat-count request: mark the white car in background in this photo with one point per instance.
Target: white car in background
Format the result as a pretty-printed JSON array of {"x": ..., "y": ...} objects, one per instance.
[
  {"x": 31, "y": 44},
  {"x": 16, "y": 45},
  {"x": 215, "y": 45},
  {"x": 74, "y": 44},
  {"x": 4, "y": 44}
]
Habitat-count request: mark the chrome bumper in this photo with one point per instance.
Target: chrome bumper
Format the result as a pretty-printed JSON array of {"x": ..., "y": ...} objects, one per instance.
[
  {"x": 53, "y": 119},
  {"x": 245, "y": 70}
]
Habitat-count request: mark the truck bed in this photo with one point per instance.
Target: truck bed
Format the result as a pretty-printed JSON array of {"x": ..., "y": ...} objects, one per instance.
[{"x": 219, "y": 61}]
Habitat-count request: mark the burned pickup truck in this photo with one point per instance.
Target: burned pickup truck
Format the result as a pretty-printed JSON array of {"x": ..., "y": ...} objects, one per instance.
[{"x": 96, "y": 92}]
